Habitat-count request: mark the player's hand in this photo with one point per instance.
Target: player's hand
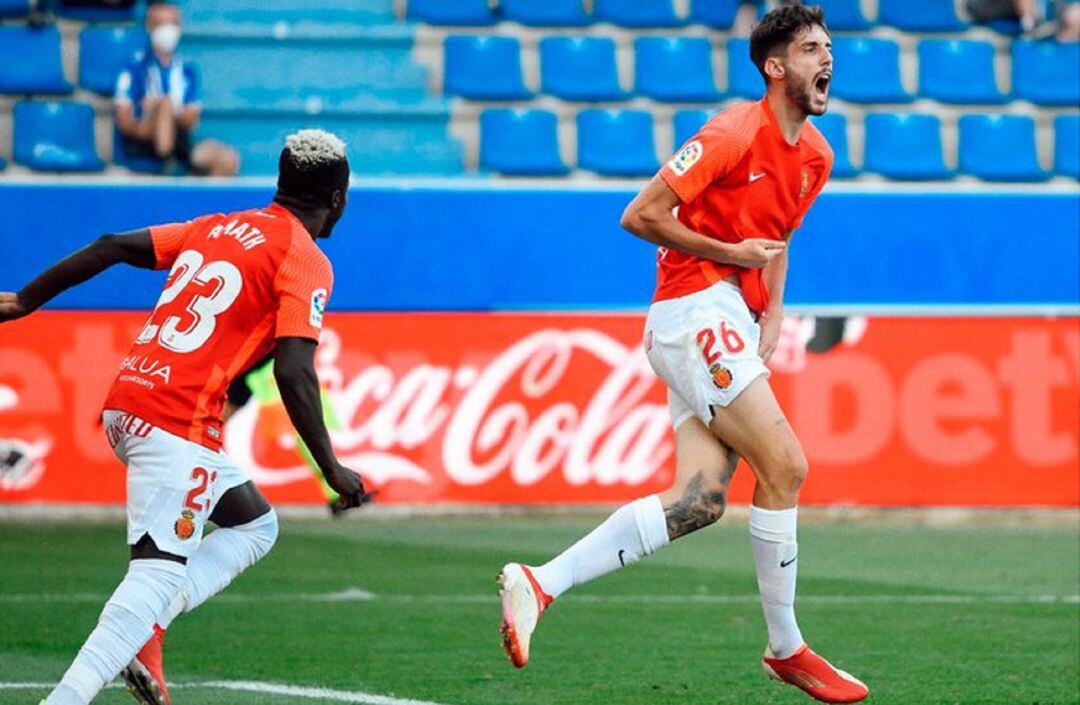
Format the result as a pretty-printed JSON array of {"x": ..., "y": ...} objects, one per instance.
[
  {"x": 771, "y": 324},
  {"x": 11, "y": 308},
  {"x": 756, "y": 252},
  {"x": 349, "y": 486}
]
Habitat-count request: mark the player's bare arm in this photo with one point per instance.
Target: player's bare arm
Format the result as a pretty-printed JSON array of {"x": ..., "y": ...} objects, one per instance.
[
  {"x": 650, "y": 216},
  {"x": 134, "y": 248},
  {"x": 294, "y": 371},
  {"x": 775, "y": 278}
]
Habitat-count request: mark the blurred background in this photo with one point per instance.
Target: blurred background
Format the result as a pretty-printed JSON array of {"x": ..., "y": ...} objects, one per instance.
[{"x": 482, "y": 361}]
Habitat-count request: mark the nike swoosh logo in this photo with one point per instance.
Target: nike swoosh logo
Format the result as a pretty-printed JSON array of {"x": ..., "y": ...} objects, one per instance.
[
  {"x": 621, "y": 561},
  {"x": 755, "y": 177},
  {"x": 785, "y": 564}
]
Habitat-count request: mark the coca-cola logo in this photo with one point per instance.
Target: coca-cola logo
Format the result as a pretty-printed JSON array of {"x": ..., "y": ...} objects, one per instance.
[{"x": 577, "y": 403}]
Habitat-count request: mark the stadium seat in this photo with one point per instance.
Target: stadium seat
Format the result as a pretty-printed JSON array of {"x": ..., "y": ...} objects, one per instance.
[
  {"x": 843, "y": 15},
  {"x": 744, "y": 80},
  {"x": 999, "y": 148},
  {"x": 484, "y": 68},
  {"x": 686, "y": 123},
  {"x": 833, "y": 127},
  {"x": 675, "y": 69},
  {"x": 32, "y": 61},
  {"x": 14, "y": 8},
  {"x": 1067, "y": 145},
  {"x": 905, "y": 147},
  {"x": 104, "y": 52},
  {"x": 89, "y": 12},
  {"x": 579, "y": 68},
  {"x": 616, "y": 142},
  {"x": 637, "y": 13},
  {"x": 549, "y": 13},
  {"x": 520, "y": 142},
  {"x": 718, "y": 14},
  {"x": 474, "y": 13},
  {"x": 1047, "y": 72},
  {"x": 3, "y": 163},
  {"x": 959, "y": 72},
  {"x": 868, "y": 71},
  {"x": 921, "y": 15},
  {"x": 55, "y": 136}
]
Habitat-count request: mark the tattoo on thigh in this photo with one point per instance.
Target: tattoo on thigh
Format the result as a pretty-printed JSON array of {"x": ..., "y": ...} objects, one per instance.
[{"x": 698, "y": 507}]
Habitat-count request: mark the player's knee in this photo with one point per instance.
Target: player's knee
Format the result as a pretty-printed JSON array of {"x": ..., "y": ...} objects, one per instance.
[
  {"x": 785, "y": 472},
  {"x": 261, "y": 533}
]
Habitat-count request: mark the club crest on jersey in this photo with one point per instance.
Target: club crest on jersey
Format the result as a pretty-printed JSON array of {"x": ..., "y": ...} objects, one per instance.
[
  {"x": 185, "y": 525},
  {"x": 318, "y": 306},
  {"x": 687, "y": 157},
  {"x": 721, "y": 376}
]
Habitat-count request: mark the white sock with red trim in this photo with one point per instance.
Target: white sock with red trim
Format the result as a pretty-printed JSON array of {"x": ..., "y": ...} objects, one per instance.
[
  {"x": 634, "y": 531},
  {"x": 772, "y": 539},
  {"x": 125, "y": 625},
  {"x": 224, "y": 554}
]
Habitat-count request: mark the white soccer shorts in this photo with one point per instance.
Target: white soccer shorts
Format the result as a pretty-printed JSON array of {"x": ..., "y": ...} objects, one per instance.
[
  {"x": 705, "y": 348},
  {"x": 173, "y": 484}
]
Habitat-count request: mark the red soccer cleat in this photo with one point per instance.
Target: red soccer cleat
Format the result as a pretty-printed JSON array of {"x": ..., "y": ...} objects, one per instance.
[
  {"x": 145, "y": 676},
  {"x": 523, "y": 601},
  {"x": 820, "y": 679}
]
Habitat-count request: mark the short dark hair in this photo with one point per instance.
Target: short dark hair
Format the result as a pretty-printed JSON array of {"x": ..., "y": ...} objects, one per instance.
[
  {"x": 313, "y": 165},
  {"x": 779, "y": 28}
]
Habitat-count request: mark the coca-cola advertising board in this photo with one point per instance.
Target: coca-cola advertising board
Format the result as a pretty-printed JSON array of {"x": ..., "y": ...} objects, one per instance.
[{"x": 563, "y": 408}]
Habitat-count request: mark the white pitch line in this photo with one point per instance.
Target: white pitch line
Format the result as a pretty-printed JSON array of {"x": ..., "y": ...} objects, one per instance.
[
  {"x": 358, "y": 595},
  {"x": 325, "y": 694}
]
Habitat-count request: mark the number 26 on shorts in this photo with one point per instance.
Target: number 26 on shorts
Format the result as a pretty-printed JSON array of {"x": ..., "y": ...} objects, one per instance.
[{"x": 726, "y": 335}]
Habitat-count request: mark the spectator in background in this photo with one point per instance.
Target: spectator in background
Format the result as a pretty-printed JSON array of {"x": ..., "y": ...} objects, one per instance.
[
  {"x": 157, "y": 105},
  {"x": 1038, "y": 18}
]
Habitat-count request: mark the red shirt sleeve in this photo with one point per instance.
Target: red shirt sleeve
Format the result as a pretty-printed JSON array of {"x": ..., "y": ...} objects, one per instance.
[
  {"x": 711, "y": 154},
  {"x": 303, "y": 285}
]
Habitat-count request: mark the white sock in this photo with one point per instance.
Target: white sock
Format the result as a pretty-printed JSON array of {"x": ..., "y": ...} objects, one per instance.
[
  {"x": 125, "y": 625},
  {"x": 635, "y": 530},
  {"x": 772, "y": 538},
  {"x": 224, "y": 554}
]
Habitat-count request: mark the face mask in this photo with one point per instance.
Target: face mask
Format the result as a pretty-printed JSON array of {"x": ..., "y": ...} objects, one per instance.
[{"x": 165, "y": 37}]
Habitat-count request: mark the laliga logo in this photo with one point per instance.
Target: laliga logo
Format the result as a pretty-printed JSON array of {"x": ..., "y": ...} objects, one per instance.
[
  {"x": 21, "y": 463},
  {"x": 516, "y": 415}
]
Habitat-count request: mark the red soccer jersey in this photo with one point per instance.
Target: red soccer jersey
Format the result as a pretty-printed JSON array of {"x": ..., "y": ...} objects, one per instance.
[
  {"x": 237, "y": 282},
  {"x": 738, "y": 178}
]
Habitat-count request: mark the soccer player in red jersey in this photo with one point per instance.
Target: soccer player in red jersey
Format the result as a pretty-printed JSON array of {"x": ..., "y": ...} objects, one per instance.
[
  {"x": 240, "y": 286},
  {"x": 741, "y": 186}
]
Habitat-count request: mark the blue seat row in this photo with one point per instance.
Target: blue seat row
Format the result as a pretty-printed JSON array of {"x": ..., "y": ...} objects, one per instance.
[
  {"x": 680, "y": 70},
  {"x": 55, "y": 136},
  {"x": 844, "y": 15},
  {"x": 898, "y": 146}
]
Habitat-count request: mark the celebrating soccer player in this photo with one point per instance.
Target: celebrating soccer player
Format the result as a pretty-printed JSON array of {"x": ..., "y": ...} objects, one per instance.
[
  {"x": 240, "y": 286},
  {"x": 742, "y": 185}
]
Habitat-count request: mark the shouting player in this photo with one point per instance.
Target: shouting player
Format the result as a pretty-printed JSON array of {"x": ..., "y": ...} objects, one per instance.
[
  {"x": 240, "y": 286},
  {"x": 741, "y": 186}
]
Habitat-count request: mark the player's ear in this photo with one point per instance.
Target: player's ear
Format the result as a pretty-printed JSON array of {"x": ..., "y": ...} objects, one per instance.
[
  {"x": 337, "y": 199},
  {"x": 774, "y": 68}
]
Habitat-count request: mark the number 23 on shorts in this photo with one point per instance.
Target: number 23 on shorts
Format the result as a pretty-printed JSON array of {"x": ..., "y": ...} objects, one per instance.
[{"x": 202, "y": 478}]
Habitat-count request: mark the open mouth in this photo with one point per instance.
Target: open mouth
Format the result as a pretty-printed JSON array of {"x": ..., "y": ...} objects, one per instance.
[{"x": 821, "y": 84}]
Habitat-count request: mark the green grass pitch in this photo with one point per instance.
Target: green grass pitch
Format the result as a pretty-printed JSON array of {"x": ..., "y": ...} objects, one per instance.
[{"x": 923, "y": 615}]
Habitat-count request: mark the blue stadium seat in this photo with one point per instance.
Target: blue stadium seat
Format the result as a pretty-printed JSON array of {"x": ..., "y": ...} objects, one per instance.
[
  {"x": 484, "y": 68},
  {"x": 549, "y": 13},
  {"x": 3, "y": 163},
  {"x": 106, "y": 51},
  {"x": 637, "y": 13},
  {"x": 1067, "y": 145},
  {"x": 833, "y": 127},
  {"x": 744, "y": 80},
  {"x": 616, "y": 142},
  {"x": 474, "y": 13},
  {"x": 55, "y": 136},
  {"x": 579, "y": 68},
  {"x": 999, "y": 148},
  {"x": 95, "y": 13},
  {"x": 718, "y": 14},
  {"x": 32, "y": 61},
  {"x": 868, "y": 71},
  {"x": 958, "y": 71},
  {"x": 843, "y": 15},
  {"x": 520, "y": 142},
  {"x": 687, "y": 122},
  {"x": 14, "y": 8},
  {"x": 1047, "y": 72},
  {"x": 674, "y": 69},
  {"x": 906, "y": 147},
  {"x": 920, "y": 15}
]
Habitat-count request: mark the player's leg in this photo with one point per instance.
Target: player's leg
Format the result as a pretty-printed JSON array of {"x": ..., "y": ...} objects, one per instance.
[{"x": 756, "y": 428}]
